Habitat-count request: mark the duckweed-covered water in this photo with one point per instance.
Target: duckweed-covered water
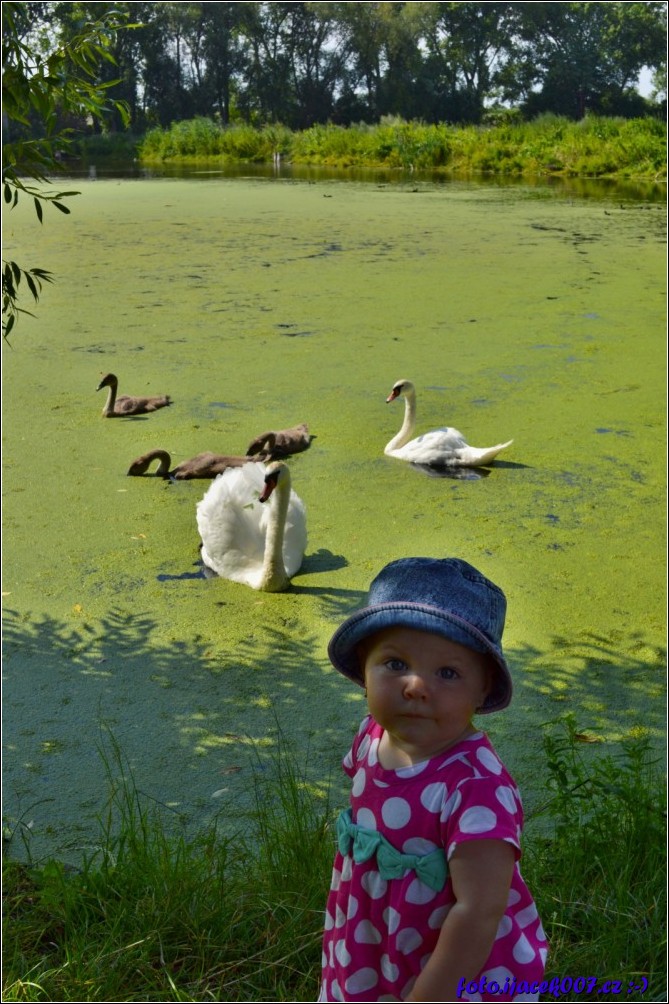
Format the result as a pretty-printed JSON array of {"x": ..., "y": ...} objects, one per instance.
[{"x": 518, "y": 313}]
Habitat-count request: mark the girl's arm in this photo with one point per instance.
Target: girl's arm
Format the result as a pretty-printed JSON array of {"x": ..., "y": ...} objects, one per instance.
[{"x": 481, "y": 872}]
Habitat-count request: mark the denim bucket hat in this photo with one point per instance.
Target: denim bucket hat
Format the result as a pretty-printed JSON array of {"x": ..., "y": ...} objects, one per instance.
[{"x": 445, "y": 596}]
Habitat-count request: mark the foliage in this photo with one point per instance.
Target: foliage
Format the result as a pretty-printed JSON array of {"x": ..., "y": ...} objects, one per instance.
[
  {"x": 40, "y": 86},
  {"x": 597, "y": 877},
  {"x": 551, "y": 144},
  {"x": 304, "y": 64},
  {"x": 156, "y": 914}
]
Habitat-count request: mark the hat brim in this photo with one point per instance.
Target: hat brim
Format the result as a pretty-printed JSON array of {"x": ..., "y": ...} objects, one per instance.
[{"x": 419, "y": 617}]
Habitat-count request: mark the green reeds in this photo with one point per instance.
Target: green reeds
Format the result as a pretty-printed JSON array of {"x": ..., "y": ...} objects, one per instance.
[
  {"x": 549, "y": 145},
  {"x": 156, "y": 914}
]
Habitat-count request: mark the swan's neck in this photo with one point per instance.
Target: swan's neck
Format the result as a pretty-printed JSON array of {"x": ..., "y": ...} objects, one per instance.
[
  {"x": 408, "y": 425},
  {"x": 111, "y": 400},
  {"x": 274, "y": 577}
]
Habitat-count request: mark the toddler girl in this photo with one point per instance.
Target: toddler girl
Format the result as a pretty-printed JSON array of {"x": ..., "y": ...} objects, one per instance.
[{"x": 427, "y": 902}]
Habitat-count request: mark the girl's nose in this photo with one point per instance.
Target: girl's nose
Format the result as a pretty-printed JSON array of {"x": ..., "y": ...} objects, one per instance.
[{"x": 414, "y": 686}]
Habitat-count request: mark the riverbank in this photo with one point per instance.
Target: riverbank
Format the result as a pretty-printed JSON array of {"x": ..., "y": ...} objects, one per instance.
[{"x": 549, "y": 146}]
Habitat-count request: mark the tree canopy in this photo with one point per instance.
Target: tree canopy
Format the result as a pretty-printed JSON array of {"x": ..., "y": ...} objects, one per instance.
[{"x": 304, "y": 63}]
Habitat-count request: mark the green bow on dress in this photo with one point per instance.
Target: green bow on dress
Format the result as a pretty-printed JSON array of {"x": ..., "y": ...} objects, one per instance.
[{"x": 430, "y": 868}]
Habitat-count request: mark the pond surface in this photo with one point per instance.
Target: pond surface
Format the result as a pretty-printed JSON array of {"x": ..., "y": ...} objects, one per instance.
[{"x": 521, "y": 313}]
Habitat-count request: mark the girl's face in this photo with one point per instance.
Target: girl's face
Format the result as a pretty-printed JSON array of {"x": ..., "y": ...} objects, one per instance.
[{"x": 423, "y": 690}]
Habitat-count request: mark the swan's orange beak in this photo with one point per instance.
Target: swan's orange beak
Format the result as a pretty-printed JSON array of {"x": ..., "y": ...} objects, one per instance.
[
  {"x": 270, "y": 484},
  {"x": 393, "y": 394}
]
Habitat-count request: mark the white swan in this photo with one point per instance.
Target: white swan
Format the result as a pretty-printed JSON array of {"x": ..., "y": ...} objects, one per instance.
[
  {"x": 441, "y": 447},
  {"x": 243, "y": 540}
]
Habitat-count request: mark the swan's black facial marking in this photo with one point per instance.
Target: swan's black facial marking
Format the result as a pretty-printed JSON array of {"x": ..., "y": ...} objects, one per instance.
[
  {"x": 271, "y": 481},
  {"x": 395, "y": 392}
]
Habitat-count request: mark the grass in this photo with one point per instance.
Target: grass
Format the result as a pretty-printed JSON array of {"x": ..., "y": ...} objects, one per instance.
[
  {"x": 594, "y": 147},
  {"x": 155, "y": 915}
]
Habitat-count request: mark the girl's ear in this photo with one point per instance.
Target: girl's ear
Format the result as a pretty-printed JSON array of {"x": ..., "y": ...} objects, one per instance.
[{"x": 489, "y": 682}]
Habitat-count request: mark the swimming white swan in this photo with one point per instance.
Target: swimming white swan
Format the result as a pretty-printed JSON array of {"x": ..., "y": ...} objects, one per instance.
[
  {"x": 441, "y": 447},
  {"x": 246, "y": 541},
  {"x": 125, "y": 404}
]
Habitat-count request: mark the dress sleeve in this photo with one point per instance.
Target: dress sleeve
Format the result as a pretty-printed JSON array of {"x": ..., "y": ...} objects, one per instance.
[
  {"x": 349, "y": 761},
  {"x": 482, "y": 808}
]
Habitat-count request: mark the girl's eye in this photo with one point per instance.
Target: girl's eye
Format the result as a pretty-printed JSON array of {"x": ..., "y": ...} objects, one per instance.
[
  {"x": 396, "y": 665},
  {"x": 446, "y": 673}
]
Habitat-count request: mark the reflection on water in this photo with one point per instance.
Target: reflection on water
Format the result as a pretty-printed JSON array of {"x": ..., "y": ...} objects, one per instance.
[{"x": 590, "y": 188}]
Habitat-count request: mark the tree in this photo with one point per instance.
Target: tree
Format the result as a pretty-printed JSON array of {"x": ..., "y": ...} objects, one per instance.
[
  {"x": 579, "y": 57},
  {"x": 45, "y": 82}
]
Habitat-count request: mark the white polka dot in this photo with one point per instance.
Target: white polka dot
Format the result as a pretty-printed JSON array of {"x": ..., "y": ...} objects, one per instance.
[
  {"x": 340, "y": 917},
  {"x": 408, "y": 940},
  {"x": 381, "y": 784},
  {"x": 540, "y": 933},
  {"x": 335, "y": 881},
  {"x": 418, "y": 892},
  {"x": 407, "y": 988},
  {"x": 329, "y": 921},
  {"x": 348, "y": 760},
  {"x": 451, "y": 804},
  {"x": 514, "y": 897},
  {"x": 526, "y": 916},
  {"x": 352, "y": 907},
  {"x": 366, "y": 934},
  {"x": 389, "y": 969},
  {"x": 373, "y": 756},
  {"x": 413, "y": 770},
  {"x": 360, "y": 981},
  {"x": 335, "y": 990},
  {"x": 504, "y": 927},
  {"x": 505, "y": 797},
  {"x": 478, "y": 819},
  {"x": 438, "y": 916},
  {"x": 543, "y": 955},
  {"x": 418, "y": 845},
  {"x": 488, "y": 759},
  {"x": 347, "y": 868},
  {"x": 396, "y": 813},
  {"x": 392, "y": 919},
  {"x": 374, "y": 885},
  {"x": 499, "y": 973},
  {"x": 523, "y": 951},
  {"x": 433, "y": 795},
  {"x": 358, "y": 785},
  {"x": 364, "y": 747},
  {"x": 342, "y": 953},
  {"x": 366, "y": 819}
]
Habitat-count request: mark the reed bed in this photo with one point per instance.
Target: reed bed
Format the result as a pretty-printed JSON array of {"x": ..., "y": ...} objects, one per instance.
[
  {"x": 157, "y": 915},
  {"x": 595, "y": 147}
]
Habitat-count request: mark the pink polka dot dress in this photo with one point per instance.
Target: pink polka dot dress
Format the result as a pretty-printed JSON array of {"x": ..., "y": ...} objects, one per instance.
[{"x": 385, "y": 909}]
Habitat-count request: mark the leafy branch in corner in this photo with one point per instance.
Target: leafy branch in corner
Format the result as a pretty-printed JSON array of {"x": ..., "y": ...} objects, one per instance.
[{"x": 49, "y": 83}]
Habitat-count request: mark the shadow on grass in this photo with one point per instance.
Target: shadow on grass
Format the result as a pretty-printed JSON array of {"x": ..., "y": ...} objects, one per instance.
[{"x": 192, "y": 713}]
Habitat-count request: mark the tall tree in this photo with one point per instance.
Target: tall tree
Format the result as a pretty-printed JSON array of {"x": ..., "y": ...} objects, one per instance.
[{"x": 579, "y": 57}]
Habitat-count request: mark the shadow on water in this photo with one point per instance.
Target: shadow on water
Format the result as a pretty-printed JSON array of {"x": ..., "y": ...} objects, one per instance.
[{"x": 189, "y": 718}]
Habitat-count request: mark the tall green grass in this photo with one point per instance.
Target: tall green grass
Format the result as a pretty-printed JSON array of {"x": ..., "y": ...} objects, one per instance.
[
  {"x": 548, "y": 145},
  {"x": 156, "y": 915}
]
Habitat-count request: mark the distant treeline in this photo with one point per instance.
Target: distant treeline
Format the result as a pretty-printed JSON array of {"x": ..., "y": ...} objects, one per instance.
[
  {"x": 593, "y": 147},
  {"x": 304, "y": 64}
]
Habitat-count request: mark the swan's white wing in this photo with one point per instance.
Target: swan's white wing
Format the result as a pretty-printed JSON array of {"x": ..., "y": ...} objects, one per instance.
[
  {"x": 233, "y": 524},
  {"x": 436, "y": 447},
  {"x": 475, "y": 456},
  {"x": 295, "y": 535}
]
